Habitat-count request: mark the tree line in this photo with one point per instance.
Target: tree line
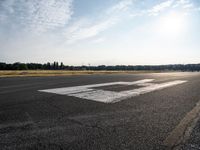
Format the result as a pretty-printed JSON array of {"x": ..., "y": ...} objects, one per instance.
[{"x": 61, "y": 66}]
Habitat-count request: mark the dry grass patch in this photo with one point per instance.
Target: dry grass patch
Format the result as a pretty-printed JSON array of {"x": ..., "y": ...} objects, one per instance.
[{"x": 24, "y": 73}]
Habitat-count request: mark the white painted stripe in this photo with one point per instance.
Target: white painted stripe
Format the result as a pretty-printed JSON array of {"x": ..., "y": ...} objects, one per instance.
[
  {"x": 151, "y": 88},
  {"x": 86, "y": 91},
  {"x": 66, "y": 91},
  {"x": 85, "y": 88},
  {"x": 113, "y": 97},
  {"x": 99, "y": 95}
]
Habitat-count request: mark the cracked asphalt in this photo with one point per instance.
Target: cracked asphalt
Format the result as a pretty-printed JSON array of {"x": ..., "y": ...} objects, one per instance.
[{"x": 30, "y": 119}]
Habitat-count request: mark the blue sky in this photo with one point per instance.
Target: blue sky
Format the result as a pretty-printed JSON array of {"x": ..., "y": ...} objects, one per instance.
[{"x": 110, "y": 32}]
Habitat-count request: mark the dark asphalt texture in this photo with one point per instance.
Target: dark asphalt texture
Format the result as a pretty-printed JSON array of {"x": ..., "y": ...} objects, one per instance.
[
  {"x": 35, "y": 120},
  {"x": 193, "y": 142}
]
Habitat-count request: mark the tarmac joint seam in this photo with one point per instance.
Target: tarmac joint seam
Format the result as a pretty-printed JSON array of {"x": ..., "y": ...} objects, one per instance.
[{"x": 183, "y": 130}]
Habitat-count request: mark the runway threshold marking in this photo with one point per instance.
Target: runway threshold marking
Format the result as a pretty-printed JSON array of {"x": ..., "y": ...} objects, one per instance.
[{"x": 88, "y": 91}]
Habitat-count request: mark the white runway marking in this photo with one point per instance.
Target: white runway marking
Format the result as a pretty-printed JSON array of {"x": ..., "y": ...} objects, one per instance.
[{"x": 88, "y": 91}]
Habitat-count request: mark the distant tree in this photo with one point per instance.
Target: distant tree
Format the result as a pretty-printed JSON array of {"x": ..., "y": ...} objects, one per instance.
[
  {"x": 55, "y": 65},
  {"x": 62, "y": 65},
  {"x": 48, "y": 66},
  {"x": 23, "y": 67},
  {"x": 3, "y": 66}
]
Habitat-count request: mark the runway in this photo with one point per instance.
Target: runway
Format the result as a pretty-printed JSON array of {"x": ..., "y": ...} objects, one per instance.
[{"x": 115, "y": 111}]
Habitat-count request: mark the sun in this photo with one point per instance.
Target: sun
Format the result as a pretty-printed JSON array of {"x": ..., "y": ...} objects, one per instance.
[{"x": 172, "y": 24}]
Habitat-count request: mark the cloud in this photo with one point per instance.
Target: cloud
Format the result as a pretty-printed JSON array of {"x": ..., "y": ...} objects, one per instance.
[
  {"x": 41, "y": 16},
  {"x": 160, "y": 7},
  {"x": 36, "y": 15},
  {"x": 88, "y": 28},
  {"x": 185, "y": 4},
  {"x": 82, "y": 30},
  {"x": 190, "y": 5},
  {"x": 123, "y": 5}
]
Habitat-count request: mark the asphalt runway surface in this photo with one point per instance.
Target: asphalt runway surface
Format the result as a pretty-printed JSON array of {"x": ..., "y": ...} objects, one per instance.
[{"x": 34, "y": 119}]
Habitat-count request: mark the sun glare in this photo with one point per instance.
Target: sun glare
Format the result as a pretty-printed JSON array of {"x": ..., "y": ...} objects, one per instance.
[{"x": 172, "y": 24}]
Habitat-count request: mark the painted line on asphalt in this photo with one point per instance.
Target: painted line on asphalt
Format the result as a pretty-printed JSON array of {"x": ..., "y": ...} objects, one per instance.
[
  {"x": 88, "y": 92},
  {"x": 85, "y": 88},
  {"x": 183, "y": 130}
]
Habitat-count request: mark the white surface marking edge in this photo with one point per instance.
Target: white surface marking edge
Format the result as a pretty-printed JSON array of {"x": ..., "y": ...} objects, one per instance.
[{"x": 87, "y": 91}]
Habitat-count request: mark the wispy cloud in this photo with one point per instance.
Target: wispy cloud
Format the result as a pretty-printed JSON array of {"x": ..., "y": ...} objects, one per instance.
[
  {"x": 49, "y": 30},
  {"x": 123, "y": 5},
  {"x": 88, "y": 28},
  {"x": 184, "y": 4},
  {"x": 160, "y": 7},
  {"x": 36, "y": 15},
  {"x": 84, "y": 28}
]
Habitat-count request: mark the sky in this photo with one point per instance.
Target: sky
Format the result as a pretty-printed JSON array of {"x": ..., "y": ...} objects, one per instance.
[{"x": 100, "y": 32}]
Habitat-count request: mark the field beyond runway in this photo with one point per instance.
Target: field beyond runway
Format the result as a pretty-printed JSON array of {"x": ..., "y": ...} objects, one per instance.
[
  {"x": 47, "y": 73},
  {"x": 101, "y": 112}
]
